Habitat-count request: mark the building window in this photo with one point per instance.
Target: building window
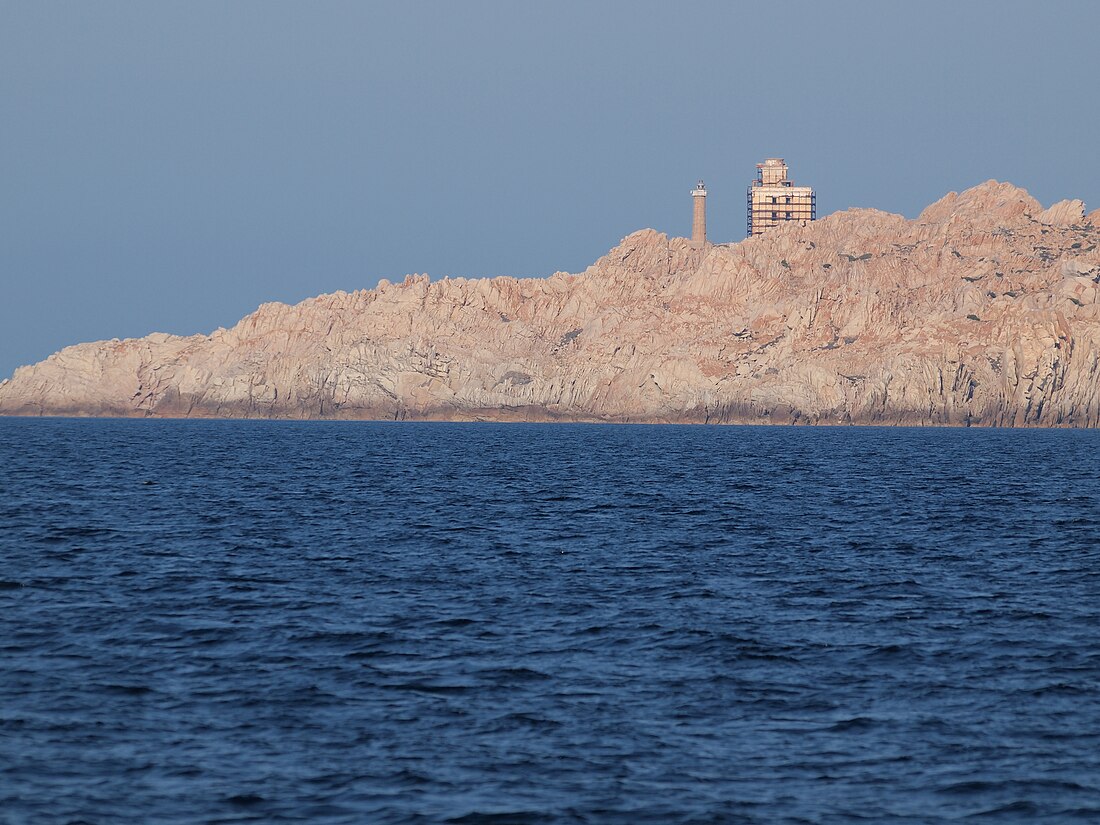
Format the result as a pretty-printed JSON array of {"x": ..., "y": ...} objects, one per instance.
[
  {"x": 788, "y": 199},
  {"x": 774, "y": 200},
  {"x": 788, "y": 216},
  {"x": 775, "y": 216}
]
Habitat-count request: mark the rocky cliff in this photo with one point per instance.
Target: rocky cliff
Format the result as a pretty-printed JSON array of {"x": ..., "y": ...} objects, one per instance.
[{"x": 983, "y": 310}]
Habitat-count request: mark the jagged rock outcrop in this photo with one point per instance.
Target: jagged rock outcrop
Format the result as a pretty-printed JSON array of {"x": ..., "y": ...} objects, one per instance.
[
  {"x": 984, "y": 310},
  {"x": 1063, "y": 213}
]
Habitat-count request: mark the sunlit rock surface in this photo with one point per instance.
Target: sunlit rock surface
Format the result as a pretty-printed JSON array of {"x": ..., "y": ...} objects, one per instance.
[{"x": 981, "y": 311}]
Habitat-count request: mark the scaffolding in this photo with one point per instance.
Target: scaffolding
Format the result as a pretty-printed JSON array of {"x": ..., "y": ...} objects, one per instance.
[{"x": 773, "y": 199}]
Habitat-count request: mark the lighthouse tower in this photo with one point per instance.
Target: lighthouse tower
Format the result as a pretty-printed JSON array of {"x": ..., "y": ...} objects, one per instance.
[{"x": 699, "y": 216}]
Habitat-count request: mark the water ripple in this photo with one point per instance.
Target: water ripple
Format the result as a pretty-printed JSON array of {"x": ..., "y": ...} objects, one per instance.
[{"x": 322, "y": 622}]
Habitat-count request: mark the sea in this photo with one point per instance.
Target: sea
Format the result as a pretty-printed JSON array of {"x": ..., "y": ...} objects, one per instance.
[{"x": 349, "y": 622}]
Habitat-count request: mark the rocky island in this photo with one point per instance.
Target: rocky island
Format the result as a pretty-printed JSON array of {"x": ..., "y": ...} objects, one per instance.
[{"x": 984, "y": 310}]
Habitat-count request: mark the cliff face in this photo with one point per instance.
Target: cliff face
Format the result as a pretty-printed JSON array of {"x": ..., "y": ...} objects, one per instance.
[{"x": 984, "y": 310}]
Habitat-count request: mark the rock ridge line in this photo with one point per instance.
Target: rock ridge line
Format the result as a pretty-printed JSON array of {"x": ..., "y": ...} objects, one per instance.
[{"x": 982, "y": 311}]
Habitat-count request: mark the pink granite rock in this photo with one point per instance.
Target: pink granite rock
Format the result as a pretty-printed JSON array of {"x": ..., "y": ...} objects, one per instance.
[
  {"x": 983, "y": 310},
  {"x": 1063, "y": 213}
]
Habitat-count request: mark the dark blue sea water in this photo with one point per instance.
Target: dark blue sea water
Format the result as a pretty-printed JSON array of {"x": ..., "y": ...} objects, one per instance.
[{"x": 421, "y": 623}]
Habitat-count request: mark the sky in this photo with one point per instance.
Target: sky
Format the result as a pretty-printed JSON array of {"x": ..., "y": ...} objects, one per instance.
[{"x": 169, "y": 166}]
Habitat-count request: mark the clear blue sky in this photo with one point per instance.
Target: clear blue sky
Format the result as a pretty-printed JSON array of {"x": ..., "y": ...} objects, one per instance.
[{"x": 168, "y": 166}]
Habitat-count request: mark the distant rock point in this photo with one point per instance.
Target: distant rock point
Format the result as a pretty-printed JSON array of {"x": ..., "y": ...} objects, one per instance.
[{"x": 984, "y": 310}]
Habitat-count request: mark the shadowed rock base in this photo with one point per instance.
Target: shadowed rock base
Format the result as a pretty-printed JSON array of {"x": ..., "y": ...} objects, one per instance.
[{"x": 982, "y": 311}]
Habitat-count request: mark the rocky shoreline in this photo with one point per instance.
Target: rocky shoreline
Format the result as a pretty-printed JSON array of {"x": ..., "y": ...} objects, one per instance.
[{"x": 982, "y": 311}]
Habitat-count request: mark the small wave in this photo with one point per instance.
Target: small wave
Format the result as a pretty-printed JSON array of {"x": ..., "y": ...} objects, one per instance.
[
  {"x": 505, "y": 675},
  {"x": 245, "y": 799},
  {"x": 856, "y": 723},
  {"x": 60, "y": 534},
  {"x": 893, "y": 651},
  {"x": 968, "y": 787},
  {"x": 458, "y": 621},
  {"x": 980, "y": 786},
  {"x": 501, "y": 818},
  {"x": 426, "y": 687},
  {"x": 1020, "y": 806},
  {"x": 1091, "y": 815},
  {"x": 1061, "y": 689},
  {"x": 526, "y": 720},
  {"x": 405, "y": 777},
  {"x": 127, "y": 690}
]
